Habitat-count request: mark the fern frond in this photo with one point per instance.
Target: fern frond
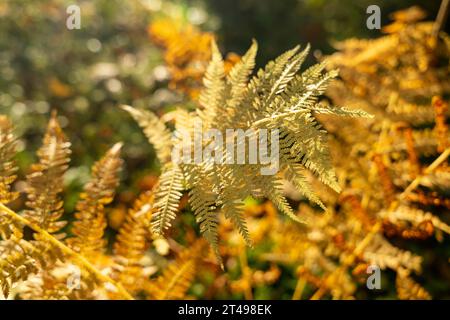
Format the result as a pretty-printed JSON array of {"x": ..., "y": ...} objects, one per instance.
[
  {"x": 211, "y": 97},
  {"x": 155, "y": 131},
  {"x": 305, "y": 142},
  {"x": 312, "y": 87},
  {"x": 16, "y": 263},
  {"x": 274, "y": 191},
  {"x": 277, "y": 97},
  {"x": 234, "y": 211},
  {"x": 178, "y": 276},
  {"x": 7, "y": 165},
  {"x": 414, "y": 216},
  {"x": 45, "y": 182},
  {"x": 202, "y": 200},
  {"x": 288, "y": 73},
  {"x": 21, "y": 258},
  {"x": 342, "y": 111},
  {"x": 383, "y": 254},
  {"x": 47, "y": 247},
  {"x": 130, "y": 244},
  {"x": 294, "y": 174},
  {"x": 167, "y": 198},
  {"x": 238, "y": 76},
  {"x": 259, "y": 86},
  {"x": 408, "y": 289},
  {"x": 88, "y": 229}
]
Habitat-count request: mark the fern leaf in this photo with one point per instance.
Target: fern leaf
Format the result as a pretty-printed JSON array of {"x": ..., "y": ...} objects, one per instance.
[
  {"x": 408, "y": 289},
  {"x": 202, "y": 201},
  {"x": 289, "y": 71},
  {"x": 274, "y": 191},
  {"x": 277, "y": 97},
  {"x": 234, "y": 211},
  {"x": 237, "y": 79},
  {"x": 178, "y": 276},
  {"x": 333, "y": 110},
  {"x": 90, "y": 215},
  {"x": 130, "y": 244},
  {"x": 155, "y": 131},
  {"x": 7, "y": 165},
  {"x": 306, "y": 143},
  {"x": 211, "y": 97},
  {"x": 383, "y": 254},
  {"x": 294, "y": 174},
  {"x": 45, "y": 182},
  {"x": 17, "y": 262},
  {"x": 167, "y": 198}
]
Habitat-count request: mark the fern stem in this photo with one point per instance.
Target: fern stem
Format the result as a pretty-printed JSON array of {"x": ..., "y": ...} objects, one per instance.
[
  {"x": 76, "y": 257},
  {"x": 256, "y": 124},
  {"x": 441, "y": 18},
  {"x": 444, "y": 155},
  {"x": 299, "y": 288}
]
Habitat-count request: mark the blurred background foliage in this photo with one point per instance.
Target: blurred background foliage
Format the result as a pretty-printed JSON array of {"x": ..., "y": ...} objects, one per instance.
[{"x": 86, "y": 74}]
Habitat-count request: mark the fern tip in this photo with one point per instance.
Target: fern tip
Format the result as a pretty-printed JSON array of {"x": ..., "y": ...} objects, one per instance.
[{"x": 115, "y": 149}]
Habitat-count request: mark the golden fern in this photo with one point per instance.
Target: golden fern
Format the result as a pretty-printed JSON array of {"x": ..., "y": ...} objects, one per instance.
[
  {"x": 25, "y": 260},
  {"x": 45, "y": 182},
  {"x": 178, "y": 276},
  {"x": 7, "y": 166},
  {"x": 167, "y": 198},
  {"x": 277, "y": 97},
  {"x": 130, "y": 245},
  {"x": 89, "y": 227},
  {"x": 408, "y": 289},
  {"x": 187, "y": 51},
  {"x": 17, "y": 262},
  {"x": 390, "y": 187},
  {"x": 156, "y": 132}
]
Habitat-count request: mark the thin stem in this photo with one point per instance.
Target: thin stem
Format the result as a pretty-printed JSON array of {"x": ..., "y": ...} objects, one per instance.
[
  {"x": 273, "y": 117},
  {"x": 444, "y": 155},
  {"x": 299, "y": 288},
  {"x": 76, "y": 257},
  {"x": 246, "y": 273},
  {"x": 441, "y": 18}
]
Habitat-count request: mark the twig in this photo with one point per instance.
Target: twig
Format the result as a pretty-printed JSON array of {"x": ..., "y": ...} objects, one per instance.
[
  {"x": 299, "y": 288},
  {"x": 441, "y": 18},
  {"x": 444, "y": 155}
]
